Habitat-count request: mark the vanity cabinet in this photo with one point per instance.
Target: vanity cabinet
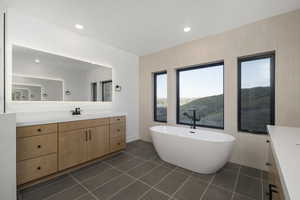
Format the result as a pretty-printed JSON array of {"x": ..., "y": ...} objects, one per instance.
[
  {"x": 43, "y": 150},
  {"x": 36, "y": 152},
  {"x": 274, "y": 185}
]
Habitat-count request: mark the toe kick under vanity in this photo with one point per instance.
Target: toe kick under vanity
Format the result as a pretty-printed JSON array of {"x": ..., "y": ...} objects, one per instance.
[{"x": 50, "y": 149}]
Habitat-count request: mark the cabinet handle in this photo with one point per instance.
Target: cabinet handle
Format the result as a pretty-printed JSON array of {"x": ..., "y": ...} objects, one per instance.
[
  {"x": 119, "y": 143},
  {"x": 118, "y": 119},
  {"x": 268, "y": 164},
  {"x": 39, "y": 130},
  {"x": 267, "y": 141},
  {"x": 118, "y": 130},
  {"x": 39, "y": 146},
  {"x": 271, "y": 191},
  {"x": 90, "y": 134},
  {"x": 39, "y": 168}
]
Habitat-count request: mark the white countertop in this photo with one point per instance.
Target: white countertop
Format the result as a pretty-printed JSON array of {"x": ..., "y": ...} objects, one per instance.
[
  {"x": 31, "y": 119},
  {"x": 285, "y": 142}
]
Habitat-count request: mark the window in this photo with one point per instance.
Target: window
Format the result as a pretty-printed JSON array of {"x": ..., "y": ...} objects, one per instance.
[
  {"x": 200, "y": 88},
  {"x": 94, "y": 91},
  {"x": 107, "y": 90},
  {"x": 256, "y": 92},
  {"x": 160, "y": 96}
]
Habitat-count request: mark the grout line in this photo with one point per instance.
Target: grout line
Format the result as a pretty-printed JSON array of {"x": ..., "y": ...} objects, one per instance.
[
  {"x": 57, "y": 193},
  {"x": 182, "y": 184},
  {"x": 77, "y": 181},
  {"x": 236, "y": 183},
  {"x": 210, "y": 182}
]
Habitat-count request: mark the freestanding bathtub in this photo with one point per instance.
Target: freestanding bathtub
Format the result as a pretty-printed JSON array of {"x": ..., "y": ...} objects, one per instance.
[{"x": 197, "y": 150}]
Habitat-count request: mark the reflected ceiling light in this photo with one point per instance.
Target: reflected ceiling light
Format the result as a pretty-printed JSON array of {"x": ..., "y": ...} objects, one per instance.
[
  {"x": 79, "y": 26},
  {"x": 187, "y": 29},
  {"x": 37, "y": 61}
]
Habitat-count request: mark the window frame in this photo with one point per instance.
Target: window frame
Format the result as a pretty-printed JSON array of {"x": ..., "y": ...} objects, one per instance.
[
  {"x": 200, "y": 66},
  {"x": 155, "y": 74},
  {"x": 258, "y": 56},
  {"x": 102, "y": 87}
]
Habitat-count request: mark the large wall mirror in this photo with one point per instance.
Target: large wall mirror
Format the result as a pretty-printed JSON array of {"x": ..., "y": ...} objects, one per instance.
[{"x": 41, "y": 76}]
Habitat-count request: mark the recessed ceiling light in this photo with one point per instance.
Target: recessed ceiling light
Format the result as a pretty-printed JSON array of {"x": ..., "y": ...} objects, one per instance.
[
  {"x": 37, "y": 61},
  {"x": 79, "y": 26},
  {"x": 187, "y": 29}
]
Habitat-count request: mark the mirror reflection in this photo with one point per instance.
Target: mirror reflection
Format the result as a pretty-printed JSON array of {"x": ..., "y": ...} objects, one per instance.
[{"x": 41, "y": 76}]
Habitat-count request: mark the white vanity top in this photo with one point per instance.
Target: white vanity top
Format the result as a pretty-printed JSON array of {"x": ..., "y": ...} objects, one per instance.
[
  {"x": 56, "y": 117},
  {"x": 285, "y": 142}
]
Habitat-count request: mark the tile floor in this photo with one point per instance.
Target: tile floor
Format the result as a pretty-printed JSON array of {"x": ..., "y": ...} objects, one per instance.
[{"x": 138, "y": 174}]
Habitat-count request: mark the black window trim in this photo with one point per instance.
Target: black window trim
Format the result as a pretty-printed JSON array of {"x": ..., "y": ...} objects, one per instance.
[
  {"x": 193, "y": 67},
  {"x": 155, "y": 74},
  {"x": 271, "y": 55},
  {"x": 102, "y": 83}
]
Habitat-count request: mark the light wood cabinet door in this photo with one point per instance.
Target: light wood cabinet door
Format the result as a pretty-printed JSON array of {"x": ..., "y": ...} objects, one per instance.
[
  {"x": 72, "y": 148},
  {"x": 98, "y": 144}
]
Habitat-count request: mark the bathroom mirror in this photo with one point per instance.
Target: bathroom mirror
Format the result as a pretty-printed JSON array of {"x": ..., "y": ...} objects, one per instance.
[{"x": 42, "y": 76}]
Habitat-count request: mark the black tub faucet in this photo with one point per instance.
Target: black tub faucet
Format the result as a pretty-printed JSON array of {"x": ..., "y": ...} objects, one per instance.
[{"x": 192, "y": 117}]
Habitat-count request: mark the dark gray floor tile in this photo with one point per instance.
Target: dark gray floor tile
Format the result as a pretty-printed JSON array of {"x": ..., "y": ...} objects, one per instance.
[
  {"x": 87, "y": 197},
  {"x": 117, "y": 160},
  {"x": 132, "y": 192},
  {"x": 154, "y": 195},
  {"x": 172, "y": 182},
  {"x": 69, "y": 194},
  {"x": 157, "y": 160},
  {"x": 156, "y": 175},
  {"x": 108, "y": 189},
  {"x": 191, "y": 190},
  {"x": 142, "y": 169},
  {"x": 44, "y": 190},
  {"x": 251, "y": 171},
  {"x": 225, "y": 179},
  {"x": 146, "y": 155},
  {"x": 184, "y": 171},
  {"x": 129, "y": 164},
  {"x": 169, "y": 165},
  {"x": 241, "y": 197},
  {"x": 102, "y": 178},
  {"x": 216, "y": 193},
  {"x": 203, "y": 177},
  {"x": 232, "y": 166},
  {"x": 249, "y": 187},
  {"x": 90, "y": 171}
]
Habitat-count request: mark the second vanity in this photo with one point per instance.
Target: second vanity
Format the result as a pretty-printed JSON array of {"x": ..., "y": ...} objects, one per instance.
[{"x": 49, "y": 147}]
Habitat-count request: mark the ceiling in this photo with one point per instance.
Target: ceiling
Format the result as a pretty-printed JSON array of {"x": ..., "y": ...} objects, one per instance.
[
  {"x": 25, "y": 56},
  {"x": 146, "y": 26}
]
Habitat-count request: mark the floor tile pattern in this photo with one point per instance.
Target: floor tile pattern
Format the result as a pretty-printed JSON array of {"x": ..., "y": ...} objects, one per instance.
[{"x": 139, "y": 174}]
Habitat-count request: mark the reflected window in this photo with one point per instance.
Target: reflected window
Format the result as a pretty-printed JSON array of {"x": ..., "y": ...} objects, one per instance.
[
  {"x": 256, "y": 93},
  {"x": 160, "y": 96},
  {"x": 200, "y": 88},
  {"x": 107, "y": 90}
]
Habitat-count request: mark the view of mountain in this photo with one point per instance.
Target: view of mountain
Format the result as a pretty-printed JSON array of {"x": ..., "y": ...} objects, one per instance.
[{"x": 255, "y": 109}]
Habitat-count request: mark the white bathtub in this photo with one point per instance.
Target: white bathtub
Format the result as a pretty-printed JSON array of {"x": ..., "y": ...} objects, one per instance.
[{"x": 197, "y": 150}]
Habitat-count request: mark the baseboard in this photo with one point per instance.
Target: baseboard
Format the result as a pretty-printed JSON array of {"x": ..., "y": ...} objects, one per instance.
[{"x": 132, "y": 138}]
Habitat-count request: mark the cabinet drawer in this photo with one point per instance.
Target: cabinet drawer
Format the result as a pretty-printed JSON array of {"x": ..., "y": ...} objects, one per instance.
[
  {"x": 75, "y": 125},
  {"x": 117, "y": 144},
  {"x": 36, "y": 130},
  {"x": 117, "y": 130},
  {"x": 31, "y": 147},
  {"x": 120, "y": 119},
  {"x": 32, "y": 169}
]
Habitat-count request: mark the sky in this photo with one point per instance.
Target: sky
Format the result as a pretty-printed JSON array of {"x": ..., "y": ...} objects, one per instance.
[{"x": 209, "y": 81}]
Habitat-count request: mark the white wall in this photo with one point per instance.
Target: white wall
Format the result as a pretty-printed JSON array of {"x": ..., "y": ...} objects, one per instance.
[
  {"x": 1, "y": 58},
  {"x": 279, "y": 33},
  {"x": 8, "y": 156},
  {"x": 33, "y": 33}
]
